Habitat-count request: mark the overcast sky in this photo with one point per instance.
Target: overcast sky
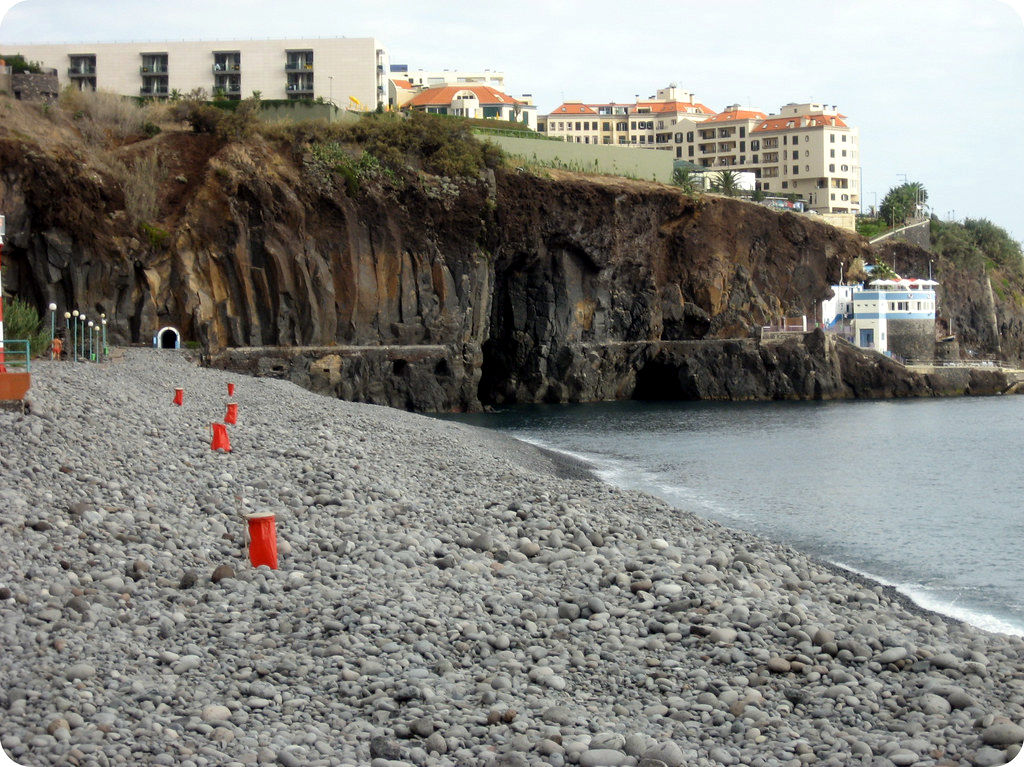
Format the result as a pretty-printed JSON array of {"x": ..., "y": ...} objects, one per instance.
[{"x": 935, "y": 86}]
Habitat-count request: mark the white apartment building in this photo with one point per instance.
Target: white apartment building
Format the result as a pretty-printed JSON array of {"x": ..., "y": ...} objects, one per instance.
[
  {"x": 806, "y": 149},
  {"x": 347, "y": 71}
]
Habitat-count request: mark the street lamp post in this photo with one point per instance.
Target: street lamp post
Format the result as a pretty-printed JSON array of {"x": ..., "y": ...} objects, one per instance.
[
  {"x": 91, "y": 358},
  {"x": 67, "y": 327},
  {"x": 74, "y": 339},
  {"x": 930, "y": 269},
  {"x": 81, "y": 335},
  {"x": 103, "y": 322},
  {"x": 53, "y": 326}
]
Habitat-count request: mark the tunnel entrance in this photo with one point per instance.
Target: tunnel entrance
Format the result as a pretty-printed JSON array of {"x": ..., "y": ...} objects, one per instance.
[{"x": 167, "y": 338}]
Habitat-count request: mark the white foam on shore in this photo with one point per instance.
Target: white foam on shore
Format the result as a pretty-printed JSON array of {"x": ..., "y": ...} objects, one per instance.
[
  {"x": 634, "y": 478},
  {"x": 929, "y": 601}
]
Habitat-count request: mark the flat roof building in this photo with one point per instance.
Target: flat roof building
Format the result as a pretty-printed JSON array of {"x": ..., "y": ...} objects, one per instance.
[{"x": 347, "y": 71}]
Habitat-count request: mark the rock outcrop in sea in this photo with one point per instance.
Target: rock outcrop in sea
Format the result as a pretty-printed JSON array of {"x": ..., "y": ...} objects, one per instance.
[{"x": 445, "y": 597}]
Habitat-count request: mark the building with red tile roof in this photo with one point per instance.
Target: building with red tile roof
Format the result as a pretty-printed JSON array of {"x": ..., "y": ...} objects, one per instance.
[
  {"x": 807, "y": 150},
  {"x": 644, "y": 122},
  {"x": 480, "y": 101}
]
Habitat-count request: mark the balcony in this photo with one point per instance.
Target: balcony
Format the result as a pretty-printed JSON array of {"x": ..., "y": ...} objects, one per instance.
[
  {"x": 153, "y": 70},
  {"x": 300, "y": 89},
  {"x": 153, "y": 91},
  {"x": 298, "y": 66},
  {"x": 82, "y": 72},
  {"x": 221, "y": 68}
]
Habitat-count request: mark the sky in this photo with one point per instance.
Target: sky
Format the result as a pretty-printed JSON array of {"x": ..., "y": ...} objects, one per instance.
[{"x": 936, "y": 87}]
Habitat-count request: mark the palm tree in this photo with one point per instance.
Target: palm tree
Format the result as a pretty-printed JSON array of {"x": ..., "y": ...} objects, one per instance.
[
  {"x": 726, "y": 182},
  {"x": 686, "y": 179}
]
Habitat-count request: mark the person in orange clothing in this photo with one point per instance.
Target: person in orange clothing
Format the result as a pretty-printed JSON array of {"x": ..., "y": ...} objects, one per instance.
[{"x": 56, "y": 349}]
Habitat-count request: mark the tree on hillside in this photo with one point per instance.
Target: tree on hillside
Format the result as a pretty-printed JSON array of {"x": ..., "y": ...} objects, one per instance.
[
  {"x": 901, "y": 202},
  {"x": 726, "y": 182},
  {"x": 882, "y": 271}
]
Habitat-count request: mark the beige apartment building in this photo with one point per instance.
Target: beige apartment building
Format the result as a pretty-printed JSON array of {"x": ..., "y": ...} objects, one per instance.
[
  {"x": 647, "y": 123},
  {"x": 351, "y": 72},
  {"x": 806, "y": 149}
]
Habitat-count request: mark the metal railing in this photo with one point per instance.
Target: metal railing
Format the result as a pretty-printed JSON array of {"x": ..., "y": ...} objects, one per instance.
[{"x": 18, "y": 355}]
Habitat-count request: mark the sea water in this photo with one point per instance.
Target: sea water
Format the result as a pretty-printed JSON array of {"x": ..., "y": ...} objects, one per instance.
[{"x": 923, "y": 495}]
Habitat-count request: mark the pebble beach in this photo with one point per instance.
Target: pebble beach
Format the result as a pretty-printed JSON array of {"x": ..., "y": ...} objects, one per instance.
[{"x": 445, "y": 596}]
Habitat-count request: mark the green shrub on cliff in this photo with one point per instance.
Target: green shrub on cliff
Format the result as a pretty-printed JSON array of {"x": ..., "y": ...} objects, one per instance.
[
  {"x": 401, "y": 144},
  {"x": 977, "y": 243}
]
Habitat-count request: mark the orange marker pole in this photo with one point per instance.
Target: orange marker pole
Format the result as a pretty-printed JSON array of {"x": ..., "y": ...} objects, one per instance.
[
  {"x": 179, "y": 396},
  {"x": 220, "y": 438},
  {"x": 231, "y": 390},
  {"x": 263, "y": 540},
  {"x": 232, "y": 414}
]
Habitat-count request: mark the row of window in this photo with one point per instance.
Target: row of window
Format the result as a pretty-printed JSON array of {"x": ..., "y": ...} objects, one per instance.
[{"x": 605, "y": 126}]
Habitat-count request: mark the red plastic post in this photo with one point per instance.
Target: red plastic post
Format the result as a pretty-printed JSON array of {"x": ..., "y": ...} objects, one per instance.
[
  {"x": 231, "y": 390},
  {"x": 232, "y": 414},
  {"x": 263, "y": 540},
  {"x": 179, "y": 396},
  {"x": 220, "y": 438}
]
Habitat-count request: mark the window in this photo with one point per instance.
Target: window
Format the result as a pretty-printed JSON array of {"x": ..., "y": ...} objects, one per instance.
[
  {"x": 754, "y": 159},
  {"x": 743, "y": 146},
  {"x": 844, "y": 153},
  {"x": 796, "y": 169},
  {"x": 831, "y": 152},
  {"x": 621, "y": 126},
  {"x": 785, "y": 185},
  {"x": 689, "y": 135},
  {"x": 784, "y": 140},
  {"x": 679, "y": 152},
  {"x": 832, "y": 137},
  {"x": 806, "y": 138},
  {"x": 844, "y": 168},
  {"x": 755, "y": 144},
  {"x": 577, "y": 126},
  {"x": 766, "y": 185},
  {"x": 643, "y": 139},
  {"x": 796, "y": 155},
  {"x": 832, "y": 168},
  {"x": 844, "y": 137},
  {"x": 807, "y": 169},
  {"x": 679, "y": 138},
  {"x": 632, "y": 125},
  {"x": 661, "y": 124},
  {"x": 689, "y": 151},
  {"x": 833, "y": 195},
  {"x": 807, "y": 153},
  {"x": 743, "y": 132}
]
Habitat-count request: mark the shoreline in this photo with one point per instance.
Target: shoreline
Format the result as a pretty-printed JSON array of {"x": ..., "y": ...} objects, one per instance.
[
  {"x": 446, "y": 596},
  {"x": 581, "y": 466}
]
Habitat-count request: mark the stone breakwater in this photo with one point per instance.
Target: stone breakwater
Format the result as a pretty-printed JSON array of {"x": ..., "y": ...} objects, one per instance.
[{"x": 445, "y": 597}]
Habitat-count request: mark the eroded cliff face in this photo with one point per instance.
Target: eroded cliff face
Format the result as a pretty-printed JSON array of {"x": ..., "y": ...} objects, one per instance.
[{"x": 422, "y": 292}]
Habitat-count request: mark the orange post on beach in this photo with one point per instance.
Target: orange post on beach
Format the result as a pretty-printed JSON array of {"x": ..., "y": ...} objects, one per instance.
[
  {"x": 263, "y": 540},
  {"x": 179, "y": 396},
  {"x": 220, "y": 438},
  {"x": 232, "y": 414},
  {"x": 231, "y": 390}
]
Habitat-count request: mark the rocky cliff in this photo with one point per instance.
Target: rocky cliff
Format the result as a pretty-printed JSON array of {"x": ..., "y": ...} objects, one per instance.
[{"x": 419, "y": 290}]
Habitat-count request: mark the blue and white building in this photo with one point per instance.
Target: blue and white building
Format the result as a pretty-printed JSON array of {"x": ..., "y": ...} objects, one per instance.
[{"x": 889, "y": 316}]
